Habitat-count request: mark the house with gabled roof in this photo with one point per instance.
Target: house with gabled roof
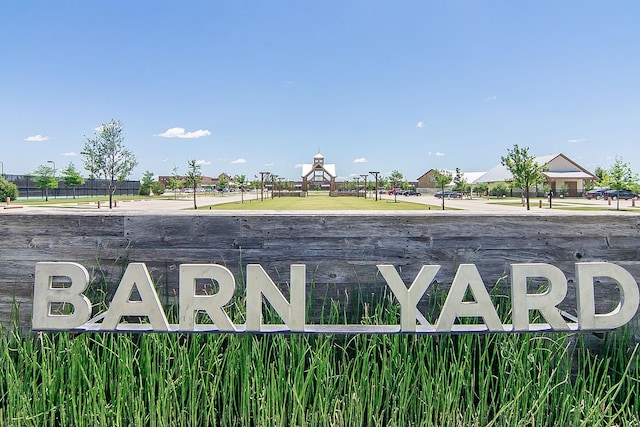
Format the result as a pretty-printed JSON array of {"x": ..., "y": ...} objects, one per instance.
[{"x": 560, "y": 171}]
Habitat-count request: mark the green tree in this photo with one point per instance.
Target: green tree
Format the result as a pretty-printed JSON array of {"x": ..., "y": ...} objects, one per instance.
[
  {"x": 442, "y": 178},
  {"x": 526, "y": 171},
  {"x": 603, "y": 176},
  {"x": 396, "y": 179},
  {"x": 499, "y": 189},
  {"x": 7, "y": 190},
  {"x": 481, "y": 188},
  {"x": 459, "y": 181},
  {"x": 145, "y": 183},
  {"x": 175, "y": 182},
  {"x": 242, "y": 181},
  {"x": 193, "y": 178},
  {"x": 222, "y": 182},
  {"x": 105, "y": 154},
  {"x": 621, "y": 177},
  {"x": 71, "y": 178},
  {"x": 157, "y": 188},
  {"x": 45, "y": 179}
]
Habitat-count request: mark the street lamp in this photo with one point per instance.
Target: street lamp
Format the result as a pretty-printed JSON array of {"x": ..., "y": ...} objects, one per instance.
[
  {"x": 262, "y": 175},
  {"x": 375, "y": 174},
  {"x": 2, "y": 169},
  {"x": 365, "y": 184}
]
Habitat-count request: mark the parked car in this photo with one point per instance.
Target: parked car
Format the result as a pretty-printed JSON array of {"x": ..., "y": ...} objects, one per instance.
[
  {"x": 412, "y": 193},
  {"x": 595, "y": 194},
  {"x": 622, "y": 194},
  {"x": 448, "y": 194},
  {"x": 397, "y": 191}
]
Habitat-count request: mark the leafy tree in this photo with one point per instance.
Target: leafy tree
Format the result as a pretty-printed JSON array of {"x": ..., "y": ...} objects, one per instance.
[
  {"x": 71, "y": 178},
  {"x": 145, "y": 183},
  {"x": 175, "y": 182},
  {"x": 242, "y": 181},
  {"x": 603, "y": 176},
  {"x": 45, "y": 179},
  {"x": 459, "y": 181},
  {"x": 222, "y": 182},
  {"x": 7, "y": 189},
  {"x": 481, "y": 188},
  {"x": 157, "y": 188},
  {"x": 621, "y": 177},
  {"x": 105, "y": 154},
  {"x": 442, "y": 178},
  {"x": 193, "y": 178},
  {"x": 524, "y": 168},
  {"x": 396, "y": 179}
]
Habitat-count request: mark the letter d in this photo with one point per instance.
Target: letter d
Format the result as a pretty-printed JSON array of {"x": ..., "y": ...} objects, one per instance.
[{"x": 629, "y": 296}]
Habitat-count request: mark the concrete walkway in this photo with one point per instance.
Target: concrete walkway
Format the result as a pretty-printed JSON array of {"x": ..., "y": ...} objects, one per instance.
[{"x": 184, "y": 206}]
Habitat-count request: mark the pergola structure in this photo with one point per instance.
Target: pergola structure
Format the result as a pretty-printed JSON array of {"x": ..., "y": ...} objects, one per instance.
[{"x": 319, "y": 175}]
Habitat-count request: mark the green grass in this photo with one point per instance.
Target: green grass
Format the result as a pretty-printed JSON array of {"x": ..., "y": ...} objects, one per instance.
[{"x": 323, "y": 202}]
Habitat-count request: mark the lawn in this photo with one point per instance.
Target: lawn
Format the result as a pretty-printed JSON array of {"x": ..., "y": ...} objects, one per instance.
[{"x": 319, "y": 202}]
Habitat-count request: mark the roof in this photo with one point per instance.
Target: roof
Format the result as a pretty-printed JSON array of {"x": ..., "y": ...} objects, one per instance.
[
  {"x": 559, "y": 166},
  {"x": 328, "y": 168}
]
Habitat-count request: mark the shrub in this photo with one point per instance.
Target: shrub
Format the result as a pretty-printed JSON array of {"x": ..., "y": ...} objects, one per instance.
[
  {"x": 157, "y": 188},
  {"x": 7, "y": 189},
  {"x": 499, "y": 189}
]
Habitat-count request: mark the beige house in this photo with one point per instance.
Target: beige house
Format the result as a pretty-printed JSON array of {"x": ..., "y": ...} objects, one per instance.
[{"x": 561, "y": 171}]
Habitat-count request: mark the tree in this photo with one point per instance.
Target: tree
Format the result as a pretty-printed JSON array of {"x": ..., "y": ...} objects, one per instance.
[
  {"x": 459, "y": 181},
  {"x": 7, "y": 190},
  {"x": 222, "y": 183},
  {"x": 145, "y": 183},
  {"x": 71, "y": 178},
  {"x": 193, "y": 178},
  {"x": 175, "y": 182},
  {"x": 524, "y": 168},
  {"x": 603, "y": 176},
  {"x": 241, "y": 180},
  {"x": 45, "y": 179},
  {"x": 157, "y": 188},
  {"x": 621, "y": 177},
  {"x": 105, "y": 155},
  {"x": 442, "y": 178}
]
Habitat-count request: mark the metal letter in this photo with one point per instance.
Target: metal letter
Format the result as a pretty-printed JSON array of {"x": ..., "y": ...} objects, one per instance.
[
  {"x": 408, "y": 298},
  {"x": 190, "y": 303},
  {"x": 260, "y": 284},
  {"x": 468, "y": 276},
  {"x": 545, "y": 302},
  {"x": 136, "y": 275},
  {"x": 44, "y": 294},
  {"x": 629, "y": 296}
]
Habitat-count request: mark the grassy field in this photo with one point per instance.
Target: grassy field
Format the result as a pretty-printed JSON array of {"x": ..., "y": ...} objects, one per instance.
[{"x": 321, "y": 202}]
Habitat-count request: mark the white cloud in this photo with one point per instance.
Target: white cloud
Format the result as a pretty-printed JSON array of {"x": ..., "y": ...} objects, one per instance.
[
  {"x": 238, "y": 161},
  {"x": 202, "y": 162},
  {"x": 37, "y": 138},
  {"x": 183, "y": 134},
  {"x": 437, "y": 153},
  {"x": 269, "y": 164},
  {"x": 70, "y": 154},
  {"x": 576, "y": 140},
  {"x": 492, "y": 98},
  {"x": 420, "y": 124},
  {"x": 360, "y": 160},
  {"x": 298, "y": 166}
]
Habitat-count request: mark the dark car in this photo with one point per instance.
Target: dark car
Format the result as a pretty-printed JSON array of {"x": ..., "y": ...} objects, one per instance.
[
  {"x": 620, "y": 194},
  {"x": 595, "y": 194},
  {"x": 412, "y": 193},
  {"x": 448, "y": 194}
]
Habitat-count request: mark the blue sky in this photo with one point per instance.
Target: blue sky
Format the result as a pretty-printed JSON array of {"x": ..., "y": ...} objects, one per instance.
[{"x": 249, "y": 86}]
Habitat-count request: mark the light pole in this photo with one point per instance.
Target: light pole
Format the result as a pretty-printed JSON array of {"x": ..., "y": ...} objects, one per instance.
[
  {"x": 375, "y": 174},
  {"x": 54, "y": 171},
  {"x": 262, "y": 175},
  {"x": 365, "y": 184},
  {"x": 2, "y": 169}
]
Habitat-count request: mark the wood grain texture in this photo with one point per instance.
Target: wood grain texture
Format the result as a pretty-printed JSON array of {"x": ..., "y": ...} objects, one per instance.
[{"x": 340, "y": 251}]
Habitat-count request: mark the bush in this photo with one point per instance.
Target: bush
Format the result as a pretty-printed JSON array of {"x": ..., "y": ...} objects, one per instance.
[
  {"x": 157, "y": 188},
  {"x": 499, "y": 189},
  {"x": 145, "y": 190},
  {"x": 7, "y": 189}
]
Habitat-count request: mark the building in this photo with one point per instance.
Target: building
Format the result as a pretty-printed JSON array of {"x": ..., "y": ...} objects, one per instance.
[
  {"x": 560, "y": 172},
  {"x": 318, "y": 175}
]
